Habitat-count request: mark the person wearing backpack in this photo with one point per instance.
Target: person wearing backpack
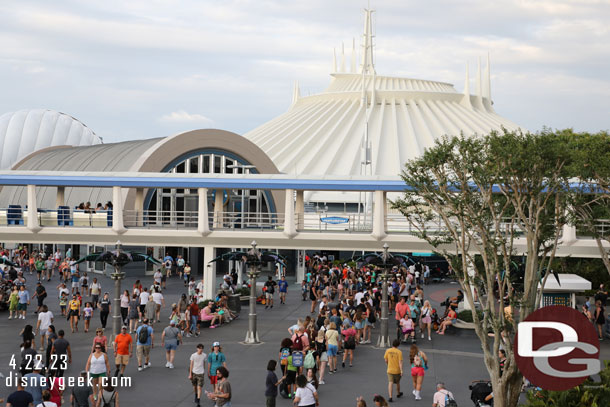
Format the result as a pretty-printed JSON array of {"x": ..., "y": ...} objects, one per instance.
[
  {"x": 144, "y": 342},
  {"x": 108, "y": 396},
  {"x": 300, "y": 340},
  {"x": 443, "y": 397}
]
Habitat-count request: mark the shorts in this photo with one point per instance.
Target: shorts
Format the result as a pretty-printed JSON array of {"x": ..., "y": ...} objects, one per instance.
[
  {"x": 359, "y": 324},
  {"x": 142, "y": 351},
  {"x": 332, "y": 350},
  {"x": 291, "y": 376},
  {"x": 74, "y": 285},
  {"x": 394, "y": 378},
  {"x": 270, "y": 401},
  {"x": 40, "y": 301},
  {"x": 213, "y": 379},
  {"x": 171, "y": 346},
  {"x": 417, "y": 371},
  {"x": 324, "y": 357},
  {"x": 268, "y": 295},
  {"x": 97, "y": 375},
  {"x": 43, "y": 332},
  {"x": 22, "y": 307},
  {"x": 426, "y": 320},
  {"x": 87, "y": 318},
  {"x": 121, "y": 360},
  {"x": 197, "y": 379}
]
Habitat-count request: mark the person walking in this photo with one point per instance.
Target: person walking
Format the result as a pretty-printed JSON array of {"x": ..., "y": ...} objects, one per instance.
[
  {"x": 63, "y": 354},
  {"x": 426, "y": 319},
  {"x": 170, "y": 339},
  {"x": 159, "y": 301},
  {"x": 222, "y": 392},
  {"x": 332, "y": 340},
  {"x": 600, "y": 318},
  {"x": 45, "y": 319},
  {"x": 24, "y": 301},
  {"x": 393, "y": 359},
  {"x": 216, "y": 359},
  {"x": 74, "y": 313},
  {"x": 419, "y": 365},
  {"x": 123, "y": 351},
  {"x": 82, "y": 396},
  {"x": 108, "y": 396},
  {"x": 40, "y": 293},
  {"x": 97, "y": 366},
  {"x": 100, "y": 339},
  {"x": 283, "y": 287},
  {"x": 35, "y": 383},
  {"x": 145, "y": 341},
  {"x": 20, "y": 397},
  {"x": 271, "y": 383},
  {"x": 95, "y": 290},
  {"x": 104, "y": 305},
  {"x": 124, "y": 306},
  {"x": 269, "y": 291},
  {"x": 306, "y": 394},
  {"x": 133, "y": 314},
  {"x": 442, "y": 396},
  {"x": 197, "y": 369}
]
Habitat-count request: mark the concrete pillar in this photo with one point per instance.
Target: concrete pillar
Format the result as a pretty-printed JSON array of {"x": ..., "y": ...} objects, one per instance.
[
  {"x": 289, "y": 225},
  {"x": 32, "y": 219},
  {"x": 300, "y": 274},
  {"x": 300, "y": 210},
  {"x": 239, "y": 266},
  {"x": 209, "y": 272},
  {"x": 139, "y": 206},
  {"x": 203, "y": 223},
  {"x": 59, "y": 199},
  {"x": 379, "y": 215},
  {"x": 117, "y": 210},
  {"x": 568, "y": 234},
  {"x": 218, "y": 208}
]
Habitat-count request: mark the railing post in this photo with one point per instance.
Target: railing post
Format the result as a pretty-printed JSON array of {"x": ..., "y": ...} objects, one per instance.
[
  {"x": 33, "y": 221},
  {"x": 218, "y": 208},
  {"x": 289, "y": 226},
  {"x": 59, "y": 199},
  {"x": 117, "y": 210},
  {"x": 203, "y": 224},
  {"x": 139, "y": 206},
  {"x": 379, "y": 215}
]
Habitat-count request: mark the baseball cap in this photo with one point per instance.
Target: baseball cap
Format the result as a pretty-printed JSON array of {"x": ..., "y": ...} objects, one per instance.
[
  {"x": 216, "y": 344},
  {"x": 124, "y": 327},
  {"x": 172, "y": 322}
]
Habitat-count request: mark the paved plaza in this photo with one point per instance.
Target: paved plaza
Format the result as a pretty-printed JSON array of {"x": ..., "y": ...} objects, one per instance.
[{"x": 455, "y": 360}]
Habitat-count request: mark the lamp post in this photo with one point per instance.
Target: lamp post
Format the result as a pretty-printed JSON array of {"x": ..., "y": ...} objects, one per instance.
[
  {"x": 253, "y": 261},
  {"x": 117, "y": 276},
  {"x": 384, "y": 340}
]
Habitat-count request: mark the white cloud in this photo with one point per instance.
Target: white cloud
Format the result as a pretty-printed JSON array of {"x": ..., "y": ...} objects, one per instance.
[{"x": 182, "y": 117}]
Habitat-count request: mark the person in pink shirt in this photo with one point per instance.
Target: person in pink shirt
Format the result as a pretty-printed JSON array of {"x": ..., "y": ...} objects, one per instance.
[
  {"x": 349, "y": 341},
  {"x": 206, "y": 314}
]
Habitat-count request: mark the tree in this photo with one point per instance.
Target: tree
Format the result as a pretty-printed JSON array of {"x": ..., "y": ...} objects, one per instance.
[{"x": 489, "y": 193}]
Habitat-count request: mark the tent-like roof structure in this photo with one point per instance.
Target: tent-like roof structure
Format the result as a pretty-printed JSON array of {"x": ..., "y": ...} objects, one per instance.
[
  {"x": 26, "y": 131},
  {"x": 365, "y": 124}
]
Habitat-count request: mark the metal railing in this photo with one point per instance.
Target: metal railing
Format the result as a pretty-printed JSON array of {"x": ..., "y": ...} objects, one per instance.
[
  {"x": 602, "y": 228},
  {"x": 160, "y": 219},
  {"x": 247, "y": 220},
  {"x": 63, "y": 217}
]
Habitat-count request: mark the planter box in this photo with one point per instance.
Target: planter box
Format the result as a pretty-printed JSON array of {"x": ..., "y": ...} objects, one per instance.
[{"x": 234, "y": 303}]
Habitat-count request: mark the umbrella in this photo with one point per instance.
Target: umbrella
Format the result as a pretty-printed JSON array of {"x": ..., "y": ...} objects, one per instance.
[
  {"x": 118, "y": 257},
  {"x": 265, "y": 256},
  {"x": 7, "y": 262},
  {"x": 377, "y": 259}
]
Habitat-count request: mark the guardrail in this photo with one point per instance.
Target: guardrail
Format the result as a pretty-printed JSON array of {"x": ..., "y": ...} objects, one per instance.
[
  {"x": 160, "y": 219},
  {"x": 62, "y": 216},
  {"x": 602, "y": 227}
]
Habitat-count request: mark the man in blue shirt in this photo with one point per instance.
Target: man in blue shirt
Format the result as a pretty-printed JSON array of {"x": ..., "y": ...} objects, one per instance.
[
  {"x": 143, "y": 346},
  {"x": 283, "y": 286},
  {"x": 35, "y": 383}
]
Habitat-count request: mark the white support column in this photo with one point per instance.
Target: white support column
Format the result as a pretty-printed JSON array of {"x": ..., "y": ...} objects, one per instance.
[
  {"x": 300, "y": 210},
  {"x": 568, "y": 234},
  {"x": 59, "y": 200},
  {"x": 300, "y": 266},
  {"x": 32, "y": 218},
  {"x": 139, "y": 206},
  {"x": 289, "y": 225},
  {"x": 117, "y": 210},
  {"x": 203, "y": 223},
  {"x": 379, "y": 215},
  {"x": 239, "y": 265},
  {"x": 218, "y": 198},
  {"x": 209, "y": 272}
]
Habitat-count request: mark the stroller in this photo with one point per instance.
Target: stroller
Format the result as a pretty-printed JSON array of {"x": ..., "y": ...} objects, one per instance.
[{"x": 479, "y": 389}]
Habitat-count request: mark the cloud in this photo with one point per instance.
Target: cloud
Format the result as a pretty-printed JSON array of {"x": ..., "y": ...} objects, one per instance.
[{"x": 182, "y": 117}]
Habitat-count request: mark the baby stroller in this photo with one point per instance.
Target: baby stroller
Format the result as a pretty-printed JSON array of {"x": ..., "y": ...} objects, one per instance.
[{"x": 479, "y": 389}]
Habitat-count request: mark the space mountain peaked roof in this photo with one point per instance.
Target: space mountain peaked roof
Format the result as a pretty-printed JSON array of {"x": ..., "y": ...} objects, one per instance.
[{"x": 367, "y": 124}]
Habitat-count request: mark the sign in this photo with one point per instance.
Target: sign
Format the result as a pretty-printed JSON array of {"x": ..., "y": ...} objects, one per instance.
[
  {"x": 556, "y": 348},
  {"x": 335, "y": 220},
  {"x": 297, "y": 359}
]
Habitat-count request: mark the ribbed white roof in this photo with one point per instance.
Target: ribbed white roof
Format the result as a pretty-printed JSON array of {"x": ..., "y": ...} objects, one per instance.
[
  {"x": 26, "y": 131},
  {"x": 323, "y": 134}
]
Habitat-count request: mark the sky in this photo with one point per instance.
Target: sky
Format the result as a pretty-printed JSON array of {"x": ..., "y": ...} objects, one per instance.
[{"x": 152, "y": 68}]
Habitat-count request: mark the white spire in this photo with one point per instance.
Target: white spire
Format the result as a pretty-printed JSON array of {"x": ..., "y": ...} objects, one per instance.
[
  {"x": 353, "y": 67},
  {"x": 368, "y": 63},
  {"x": 466, "y": 98},
  {"x": 334, "y": 60},
  {"x": 296, "y": 92},
  {"x": 479, "y": 90},
  {"x": 487, "y": 88},
  {"x": 342, "y": 57}
]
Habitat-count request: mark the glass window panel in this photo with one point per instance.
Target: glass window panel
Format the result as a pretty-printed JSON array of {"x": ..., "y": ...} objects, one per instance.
[
  {"x": 217, "y": 164},
  {"x": 181, "y": 168},
  {"x": 206, "y": 164},
  {"x": 194, "y": 165}
]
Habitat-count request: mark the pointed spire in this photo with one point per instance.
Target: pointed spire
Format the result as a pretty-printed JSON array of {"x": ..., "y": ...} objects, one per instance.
[
  {"x": 479, "y": 91},
  {"x": 296, "y": 92},
  {"x": 353, "y": 67},
  {"x": 334, "y": 60},
  {"x": 487, "y": 87},
  {"x": 342, "y": 57},
  {"x": 368, "y": 63},
  {"x": 466, "y": 98}
]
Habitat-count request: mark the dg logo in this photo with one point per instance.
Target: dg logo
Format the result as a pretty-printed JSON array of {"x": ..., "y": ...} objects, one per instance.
[{"x": 556, "y": 348}]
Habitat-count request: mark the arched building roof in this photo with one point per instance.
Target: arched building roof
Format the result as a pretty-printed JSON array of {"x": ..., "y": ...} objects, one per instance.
[
  {"x": 26, "y": 131},
  {"x": 151, "y": 155}
]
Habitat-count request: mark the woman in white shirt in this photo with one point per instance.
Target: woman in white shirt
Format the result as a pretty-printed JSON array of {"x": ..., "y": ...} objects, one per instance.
[
  {"x": 306, "y": 394},
  {"x": 157, "y": 297},
  {"x": 97, "y": 366}
]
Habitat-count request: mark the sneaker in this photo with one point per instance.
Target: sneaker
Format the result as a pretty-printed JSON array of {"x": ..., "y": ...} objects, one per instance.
[
  {"x": 10, "y": 317},
  {"x": 166, "y": 364},
  {"x": 399, "y": 395},
  {"x": 342, "y": 365},
  {"x": 148, "y": 365},
  {"x": 331, "y": 372},
  {"x": 321, "y": 382},
  {"x": 417, "y": 397},
  {"x": 140, "y": 368},
  {"x": 390, "y": 400},
  {"x": 422, "y": 335},
  {"x": 171, "y": 366},
  {"x": 429, "y": 338},
  {"x": 414, "y": 392},
  {"x": 212, "y": 326}
]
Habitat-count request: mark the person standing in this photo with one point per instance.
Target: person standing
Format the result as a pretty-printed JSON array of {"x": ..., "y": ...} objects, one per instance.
[
  {"x": 97, "y": 366},
  {"x": 20, "y": 397},
  {"x": 600, "y": 318},
  {"x": 419, "y": 365},
  {"x": 197, "y": 366},
  {"x": 269, "y": 291},
  {"x": 216, "y": 359},
  {"x": 222, "y": 394},
  {"x": 40, "y": 294},
  {"x": 74, "y": 313},
  {"x": 271, "y": 383},
  {"x": 306, "y": 394},
  {"x": 24, "y": 301},
  {"x": 94, "y": 291},
  {"x": 104, "y": 309},
  {"x": 393, "y": 359},
  {"x": 61, "y": 348},
  {"x": 442, "y": 395},
  {"x": 82, "y": 396},
  {"x": 171, "y": 338},
  {"x": 145, "y": 341},
  {"x": 45, "y": 319},
  {"x": 123, "y": 350},
  {"x": 35, "y": 383},
  {"x": 283, "y": 287}
]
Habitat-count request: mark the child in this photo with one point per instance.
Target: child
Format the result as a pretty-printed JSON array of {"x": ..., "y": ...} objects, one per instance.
[
  {"x": 407, "y": 327},
  {"x": 84, "y": 284},
  {"x": 13, "y": 300},
  {"x": 63, "y": 302},
  {"x": 192, "y": 287},
  {"x": 304, "y": 290},
  {"x": 87, "y": 313}
]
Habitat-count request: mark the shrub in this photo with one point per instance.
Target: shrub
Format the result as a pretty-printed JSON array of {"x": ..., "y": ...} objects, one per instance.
[{"x": 466, "y": 315}]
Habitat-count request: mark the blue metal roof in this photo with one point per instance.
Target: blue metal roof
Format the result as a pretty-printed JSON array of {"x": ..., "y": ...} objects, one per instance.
[{"x": 149, "y": 180}]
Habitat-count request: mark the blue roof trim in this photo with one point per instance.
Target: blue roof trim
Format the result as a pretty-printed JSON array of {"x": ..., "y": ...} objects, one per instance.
[{"x": 198, "y": 182}]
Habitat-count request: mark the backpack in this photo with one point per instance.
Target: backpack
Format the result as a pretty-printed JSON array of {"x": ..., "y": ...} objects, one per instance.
[
  {"x": 450, "y": 401},
  {"x": 372, "y": 318},
  {"x": 310, "y": 361},
  {"x": 298, "y": 343},
  {"x": 284, "y": 353},
  {"x": 350, "y": 342},
  {"x": 143, "y": 335},
  {"x": 107, "y": 403}
]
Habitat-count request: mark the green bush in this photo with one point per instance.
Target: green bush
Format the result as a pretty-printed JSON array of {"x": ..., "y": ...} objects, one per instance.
[
  {"x": 466, "y": 315},
  {"x": 244, "y": 291},
  {"x": 203, "y": 304}
]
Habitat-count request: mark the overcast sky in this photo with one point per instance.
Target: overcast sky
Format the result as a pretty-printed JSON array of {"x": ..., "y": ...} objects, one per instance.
[{"x": 149, "y": 68}]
